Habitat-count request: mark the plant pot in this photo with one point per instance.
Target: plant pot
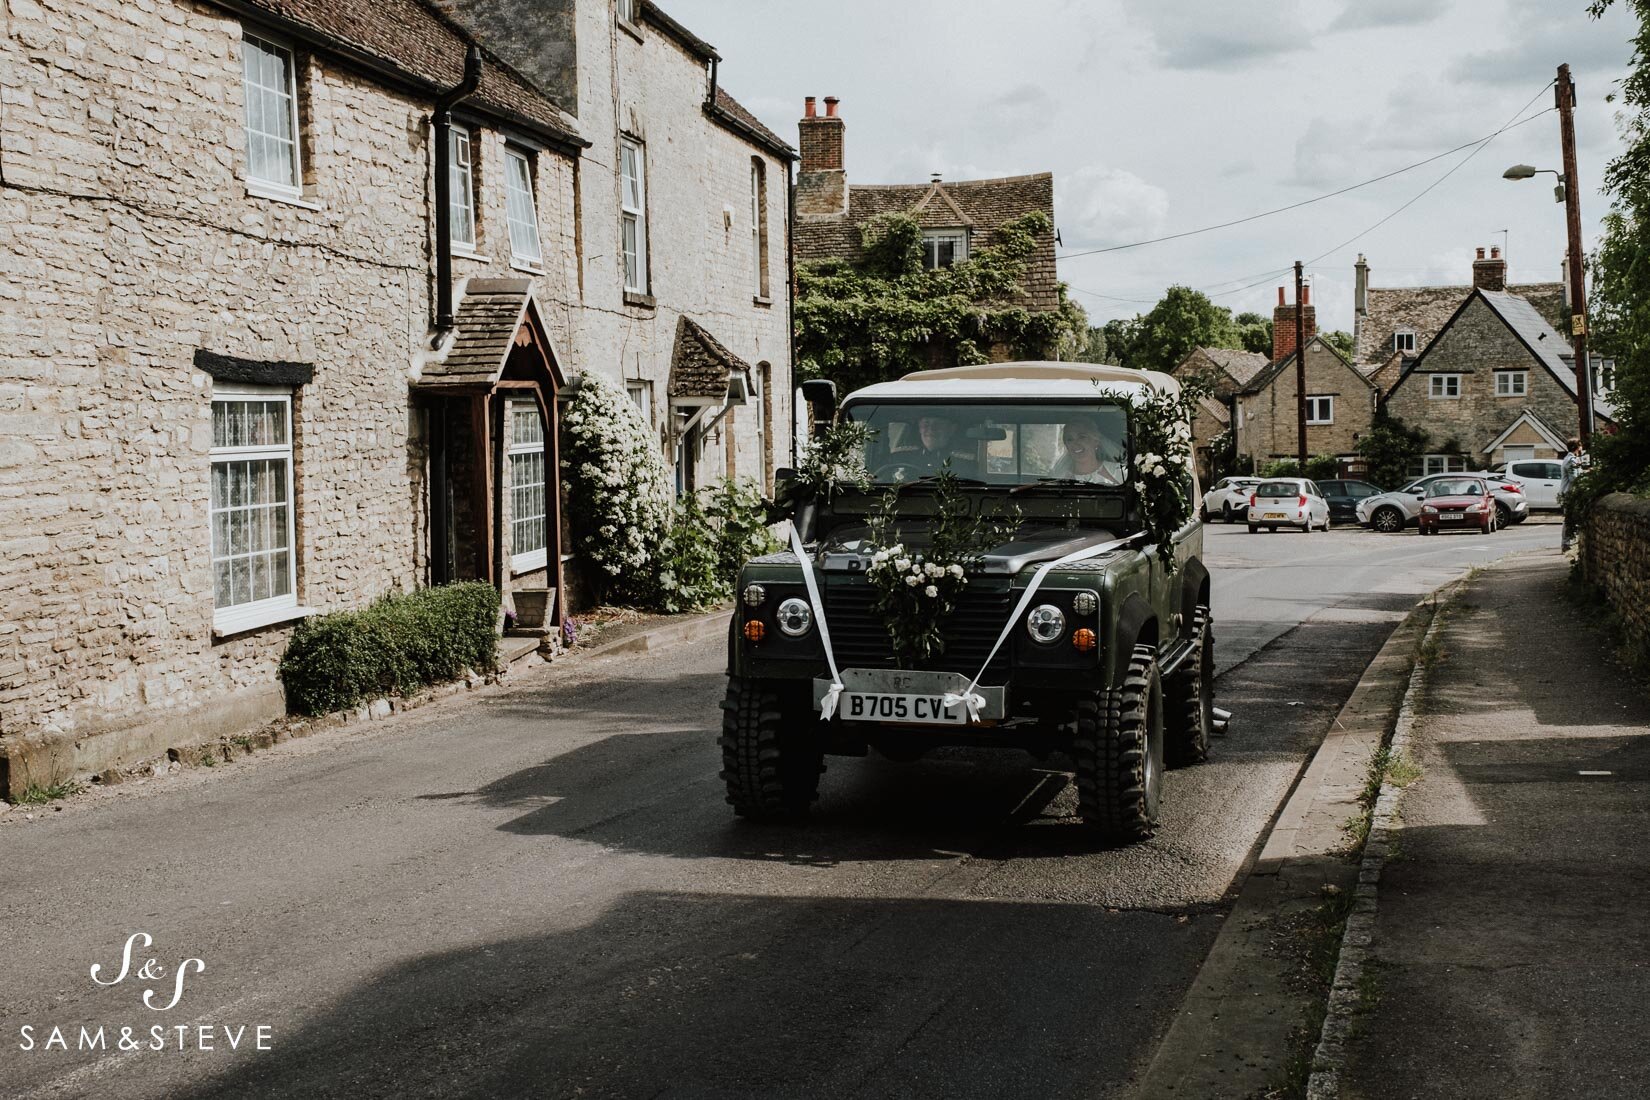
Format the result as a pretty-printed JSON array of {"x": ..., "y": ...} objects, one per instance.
[{"x": 534, "y": 606}]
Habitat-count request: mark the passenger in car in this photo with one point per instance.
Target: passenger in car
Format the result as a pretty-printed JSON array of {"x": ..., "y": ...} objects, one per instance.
[{"x": 1088, "y": 455}]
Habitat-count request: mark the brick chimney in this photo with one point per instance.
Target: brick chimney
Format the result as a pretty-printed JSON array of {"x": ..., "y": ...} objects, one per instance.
[
  {"x": 1283, "y": 324},
  {"x": 821, "y": 182},
  {"x": 1490, "y": 274}
]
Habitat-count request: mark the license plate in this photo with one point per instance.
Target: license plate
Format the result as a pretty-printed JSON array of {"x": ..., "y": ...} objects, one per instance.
[
  {"x": 1276, "y": 515},
  {"x": 1451, "y": 516},
  {"x": 865, "y": 706}
]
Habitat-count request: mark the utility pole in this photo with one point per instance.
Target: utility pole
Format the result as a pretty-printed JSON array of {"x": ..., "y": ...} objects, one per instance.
[
  {"x": 1566, "y": 95},
  {"x": 1300, "y": 369}
]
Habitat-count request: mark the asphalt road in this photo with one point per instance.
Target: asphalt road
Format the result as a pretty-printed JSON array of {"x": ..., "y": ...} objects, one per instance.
[{"x": 541, "y": 892}]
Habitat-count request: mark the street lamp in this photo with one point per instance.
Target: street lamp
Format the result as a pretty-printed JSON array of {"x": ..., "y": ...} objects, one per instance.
[{"x": 1526, "y": 171}]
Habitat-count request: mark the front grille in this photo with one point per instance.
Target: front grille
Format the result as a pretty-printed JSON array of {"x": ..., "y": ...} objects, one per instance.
[{"x": 860, "y": 639}]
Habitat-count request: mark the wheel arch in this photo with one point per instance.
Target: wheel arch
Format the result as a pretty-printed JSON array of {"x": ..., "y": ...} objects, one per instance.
[
  {"x": 1136, "y": 625},
  {"x": 1194, "y": 591}
]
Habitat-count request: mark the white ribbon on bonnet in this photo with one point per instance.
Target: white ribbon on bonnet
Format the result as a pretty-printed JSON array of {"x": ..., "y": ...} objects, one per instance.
[
  {"x": 968, "y": 696},
  {"x": 972, "y": 699}
]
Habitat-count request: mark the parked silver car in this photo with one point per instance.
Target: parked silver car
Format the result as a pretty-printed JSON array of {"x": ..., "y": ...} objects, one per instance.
[
  {"x": 1288, "y": 502},
  {"x": 1392, "y": 512}
]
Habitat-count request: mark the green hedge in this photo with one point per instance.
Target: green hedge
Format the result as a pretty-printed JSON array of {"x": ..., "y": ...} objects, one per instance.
[{"x": 398, "y": 644}]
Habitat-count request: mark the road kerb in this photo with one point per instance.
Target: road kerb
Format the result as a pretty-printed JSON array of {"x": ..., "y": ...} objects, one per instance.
[
  {"x": 699, "y": 628},
  {"x": 1329, "y": 1058},
  {"x": 1232, "y": 1036}
]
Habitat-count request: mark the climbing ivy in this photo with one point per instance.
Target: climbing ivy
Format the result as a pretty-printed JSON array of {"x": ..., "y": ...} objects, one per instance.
[{"x": 875, "y": 318}]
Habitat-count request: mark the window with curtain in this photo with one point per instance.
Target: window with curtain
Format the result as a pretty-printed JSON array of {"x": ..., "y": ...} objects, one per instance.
[
  {"x": 461, "y": 203},
  {"x": 270, "y": 84},
  {"x": 529, "y": 525},
  {"x": 251, "y": 503}
]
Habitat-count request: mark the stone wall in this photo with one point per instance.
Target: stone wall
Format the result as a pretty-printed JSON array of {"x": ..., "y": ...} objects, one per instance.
[
  {"x": 128, "y": 240},
  {"x": 1476, "y": 345},
  {"x": 1616, "y": 557}
]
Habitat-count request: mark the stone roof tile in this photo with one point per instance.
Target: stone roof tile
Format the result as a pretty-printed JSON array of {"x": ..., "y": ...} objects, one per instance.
[{"x": 700, "y": 364}]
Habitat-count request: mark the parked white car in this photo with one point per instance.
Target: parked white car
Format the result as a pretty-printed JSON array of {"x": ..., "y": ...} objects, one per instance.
[
  {"x": 1392, "y": 512},
  {"x": 1287, "y": 502},
  {"x": 1539, "y": 478},
  {"x": 1228, "y": 501}
]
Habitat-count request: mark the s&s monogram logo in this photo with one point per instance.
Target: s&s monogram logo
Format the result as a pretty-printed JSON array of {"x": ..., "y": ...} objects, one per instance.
[{"x": 150, "y": 971}]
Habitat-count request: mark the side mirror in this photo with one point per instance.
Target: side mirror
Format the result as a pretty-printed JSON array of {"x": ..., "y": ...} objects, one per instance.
[
  {"x": 782, "y": 475},
  {"x": 820, "y": 395}
]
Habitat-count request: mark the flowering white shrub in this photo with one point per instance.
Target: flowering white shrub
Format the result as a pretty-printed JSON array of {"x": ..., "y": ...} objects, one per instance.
[{"x": 619, "y": 491}]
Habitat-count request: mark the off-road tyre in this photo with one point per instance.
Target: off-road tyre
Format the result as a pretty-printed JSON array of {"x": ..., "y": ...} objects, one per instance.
[
  {"x": 1118, "y": 750},
  {"x": 1189, "y": 698},
  {"x": 1387, "y": 520},
  {"x": 772, "y": 752}
]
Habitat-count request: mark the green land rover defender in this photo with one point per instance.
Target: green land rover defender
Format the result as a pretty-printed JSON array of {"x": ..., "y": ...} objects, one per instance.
[{"x": 1110, "y": 661}]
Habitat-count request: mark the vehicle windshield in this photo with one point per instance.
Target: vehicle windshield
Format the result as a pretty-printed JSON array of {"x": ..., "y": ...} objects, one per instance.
[
  {"x": 1455, "y": 489},
  {"x": 998, "y": 443},
  {"x": 1278, "y": 489}
]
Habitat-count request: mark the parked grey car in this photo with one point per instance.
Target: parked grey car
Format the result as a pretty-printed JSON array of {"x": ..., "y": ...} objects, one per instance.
[{"x": 1392, "y": 512}]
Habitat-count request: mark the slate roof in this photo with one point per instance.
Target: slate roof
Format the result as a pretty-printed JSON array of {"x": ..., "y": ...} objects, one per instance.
[
  {"x": 981, "y": 205},
  {"x": 425, "y": 47},
  {"x": 484, "y": 332},
  {"x": 1241, "y": 365},
  {"x": 1426, "y": 309},
  {"x": 1215, "y": 409},
  {"x": 1544, "y": 342},
  {"x": 700, "y": 365}
]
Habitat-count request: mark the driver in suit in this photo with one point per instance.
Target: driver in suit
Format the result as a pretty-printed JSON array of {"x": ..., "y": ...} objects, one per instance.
[{"x": 940, "y": 438}]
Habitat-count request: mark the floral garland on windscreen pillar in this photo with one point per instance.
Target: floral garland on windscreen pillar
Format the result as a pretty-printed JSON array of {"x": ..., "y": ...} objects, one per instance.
[{"x": 1161, "y": 477}]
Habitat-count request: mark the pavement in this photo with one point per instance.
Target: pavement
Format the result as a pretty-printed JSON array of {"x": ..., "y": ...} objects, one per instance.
[
  {"x": 1511, "y": 946},
  {"x": 539, "y": 890}
]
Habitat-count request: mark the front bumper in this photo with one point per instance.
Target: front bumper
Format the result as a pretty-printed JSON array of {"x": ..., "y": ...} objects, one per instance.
[
  {"x": 901, "y": 682},
  {"x": 1472, "y": 521}
]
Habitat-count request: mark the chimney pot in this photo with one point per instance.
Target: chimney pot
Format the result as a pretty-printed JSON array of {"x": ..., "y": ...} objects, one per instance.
[
  {"x": 808, "y": 106},
  {"x": 1495, "y": 253},
  {"x": 830, "y": 106},
  {"x": 1480, "y": 253},
  {"x": 1306, "y": 295},
  {"x": 1281, "y": 299}
]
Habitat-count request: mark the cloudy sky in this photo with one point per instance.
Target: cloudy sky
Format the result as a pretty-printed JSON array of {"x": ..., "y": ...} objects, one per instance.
[{"x": 1158, "y": 116}]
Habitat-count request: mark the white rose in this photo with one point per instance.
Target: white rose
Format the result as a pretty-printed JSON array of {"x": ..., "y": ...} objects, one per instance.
[
  {"x": 934, "y": 570},
  {"x": 930, "y": 591},
  {"x": 1158, "y": 470},
  {"x": 956, "y": 570},
  {"x": 912, "y": 581},
  {"x": 903, "y": 564},
  {"x": 1140, "y": 486}
]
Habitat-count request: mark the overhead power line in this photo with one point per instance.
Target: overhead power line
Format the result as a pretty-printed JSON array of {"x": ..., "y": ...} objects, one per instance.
[{"x": 1476, "y": 142}]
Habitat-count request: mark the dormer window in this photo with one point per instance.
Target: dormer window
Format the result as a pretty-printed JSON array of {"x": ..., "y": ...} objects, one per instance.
[
  {"x": 943, "y": 247},
  {"x": 1403, "y": 340}
]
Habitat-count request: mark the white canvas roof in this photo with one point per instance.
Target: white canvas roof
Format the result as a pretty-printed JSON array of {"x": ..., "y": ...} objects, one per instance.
[{"x": 1034, "y": 380}]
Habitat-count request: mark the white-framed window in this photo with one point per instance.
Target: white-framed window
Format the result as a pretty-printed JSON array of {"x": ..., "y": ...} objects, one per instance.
[
  {"x": 633, "y": 214},
  {"x": 943, "y": 247},
  {"x": 251, "y": 508},
  {"x": 641, "y": 395},
  {"x": 759, "y": 228},
  {"x": 1443, "y": 464},
  {"x": 520, "y": 209},
  {"x": 269, "y": 80},
  {"x": 1512, "y": 383},
  {"x": 625, "y": 10},
  {"x": 1403, "y": 340},
  {"x": 1444, "y": 385},
  {"x": 1320, "y": 410},
  {"x": 461, "y": 200},
  {"x": 529, "y": 527}
]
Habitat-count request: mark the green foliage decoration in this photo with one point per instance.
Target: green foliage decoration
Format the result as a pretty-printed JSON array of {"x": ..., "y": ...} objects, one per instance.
[
  {"x": 395, "y": 645},
  {"x": 875, "y": 318},
  {"x": 1161, "y": 430}
]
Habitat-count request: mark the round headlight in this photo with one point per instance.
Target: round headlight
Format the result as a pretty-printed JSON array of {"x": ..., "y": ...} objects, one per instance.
[
  {"x": 1085, "y": 602},
  {"x": 754, "y": 595},
  {"x": 1046, "y": 624},
  {"x": 795, "y": 617}
]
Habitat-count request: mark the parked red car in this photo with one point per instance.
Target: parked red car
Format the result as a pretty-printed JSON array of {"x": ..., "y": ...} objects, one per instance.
[{"x": 1457, "y": 503}]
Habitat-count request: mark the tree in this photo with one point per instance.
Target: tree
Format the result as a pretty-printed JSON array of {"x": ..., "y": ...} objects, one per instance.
[
  {"x": 1340, "y": 340},
  {"x": 1254, "y": 332},
  {"x": 1182, "y": 320},
  {"x": 1392, "y": 448},
  {"x": 1092, "y": 348},
  {"x": 1122, "y": 335},
  {"x": 882, "y": 315},
  {"x": 1620, "y": 304}
]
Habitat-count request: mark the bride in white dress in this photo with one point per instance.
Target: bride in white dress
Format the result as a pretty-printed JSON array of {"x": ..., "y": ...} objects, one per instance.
[{"x": 1087, "y": 454}]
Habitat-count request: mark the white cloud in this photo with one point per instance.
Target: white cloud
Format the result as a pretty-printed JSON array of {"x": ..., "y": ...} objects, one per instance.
[
  {"x": 1097, "y": 206},
  {"x": 1224, "y": 37},
  {"x": 1371, "y": 14}
]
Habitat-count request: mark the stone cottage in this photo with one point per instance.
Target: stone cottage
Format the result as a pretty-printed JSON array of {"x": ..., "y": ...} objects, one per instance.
[
  {"x": 1225, "y": 371},
  {"x": 291, "y": 289},
  {"x": 956, "y": 217},
  {"x": 1390, "y": 325},
  {"x": 682, "y": 248},
  {"x": 1496, "y": 383},
  {"x": 1340, "y": 399}
]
